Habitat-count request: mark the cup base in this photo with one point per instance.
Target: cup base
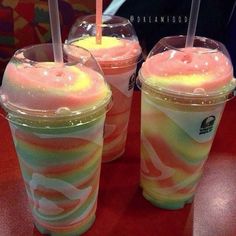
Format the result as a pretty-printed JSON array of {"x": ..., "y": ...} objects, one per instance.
[
  {"x": 73, "y": 232},
  {"x": 166, "y": 203}
]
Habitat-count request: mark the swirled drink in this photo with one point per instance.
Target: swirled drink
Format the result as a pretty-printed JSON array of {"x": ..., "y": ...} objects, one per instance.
[
  {"x": 56, "y": 113},
  {"x": 184, "y": 91}
]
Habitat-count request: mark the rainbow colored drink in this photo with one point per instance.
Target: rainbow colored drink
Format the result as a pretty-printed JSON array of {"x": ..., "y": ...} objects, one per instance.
[
  {"x": 184, "y": 91},
  {"x": 117, "y": 56},
  {"x": 56, "y": 114}
]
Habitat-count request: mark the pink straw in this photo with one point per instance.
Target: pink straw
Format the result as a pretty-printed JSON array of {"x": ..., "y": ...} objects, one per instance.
[
  {"x": 98, "y": 21},
  {"x": 55, "y": 30}
]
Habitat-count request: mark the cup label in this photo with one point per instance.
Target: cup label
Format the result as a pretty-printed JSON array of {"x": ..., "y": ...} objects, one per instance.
[
  {"x": 201, "y": 126},
  {"x": 123, "y": 82},
  {"x": 207, "y": 124}
]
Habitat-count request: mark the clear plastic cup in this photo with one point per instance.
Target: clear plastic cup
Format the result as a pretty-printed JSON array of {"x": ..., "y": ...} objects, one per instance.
[
  {"x": 56, "y": 113},
  {"x": 184, "y": 92},
  {"x": 117, "y": 55}
]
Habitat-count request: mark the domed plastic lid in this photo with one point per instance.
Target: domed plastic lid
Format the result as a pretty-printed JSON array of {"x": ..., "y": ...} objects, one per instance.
[
  {"x": 119, "y": 45},
  {"x": 35, "y": 86},
  {"x": 202, "y": 72}
]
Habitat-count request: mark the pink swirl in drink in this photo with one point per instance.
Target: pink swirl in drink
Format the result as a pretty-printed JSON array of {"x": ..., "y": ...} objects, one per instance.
[{"x": 190, "y": 70}]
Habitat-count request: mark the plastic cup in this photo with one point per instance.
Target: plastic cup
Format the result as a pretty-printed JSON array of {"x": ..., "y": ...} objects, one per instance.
[
  {"x": 184, "y": 91},
  {"x": 56, "y": 116},
  {"x": 117, "y": 55}
]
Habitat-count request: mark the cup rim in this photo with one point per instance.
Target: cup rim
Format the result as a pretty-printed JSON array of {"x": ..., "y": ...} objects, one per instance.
[{"x": 188, "y": 98}]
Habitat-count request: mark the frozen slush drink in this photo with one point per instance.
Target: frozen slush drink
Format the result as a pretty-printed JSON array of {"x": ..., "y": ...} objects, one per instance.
[
  {"x": 118, "y": 58},
  {"x": 184, "y": 91},
  {"x": 56, "y": 114}
]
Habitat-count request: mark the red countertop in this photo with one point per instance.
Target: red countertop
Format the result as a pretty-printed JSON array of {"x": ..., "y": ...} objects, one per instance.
[{"x": 122, "y": 211}]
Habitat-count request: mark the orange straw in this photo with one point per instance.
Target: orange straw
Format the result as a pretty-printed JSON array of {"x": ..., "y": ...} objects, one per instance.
[{"x": 98, "y": 21}]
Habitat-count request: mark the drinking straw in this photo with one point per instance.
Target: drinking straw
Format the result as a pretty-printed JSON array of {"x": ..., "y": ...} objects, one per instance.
[
  {"x": 55, "y": 30},
  {"x": 192, "y": 23},
  {"x": 98, "y": 21},
  {"x": 113, "y": 7}
]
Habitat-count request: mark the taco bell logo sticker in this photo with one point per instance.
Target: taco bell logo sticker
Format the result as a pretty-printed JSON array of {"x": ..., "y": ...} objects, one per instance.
[
  {"x": 131, "y": 82},
  {"x": 207, "y": 125}
]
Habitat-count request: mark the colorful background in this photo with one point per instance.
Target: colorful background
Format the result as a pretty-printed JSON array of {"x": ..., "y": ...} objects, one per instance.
[{"x": 25, "y": 22}]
